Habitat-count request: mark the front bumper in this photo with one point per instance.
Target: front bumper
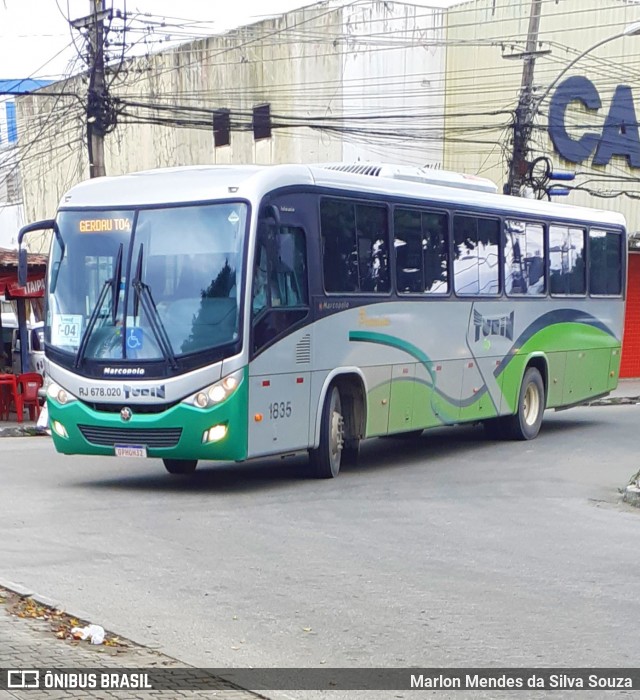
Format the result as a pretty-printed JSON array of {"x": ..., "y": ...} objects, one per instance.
[{"x": 176, "y": 433}]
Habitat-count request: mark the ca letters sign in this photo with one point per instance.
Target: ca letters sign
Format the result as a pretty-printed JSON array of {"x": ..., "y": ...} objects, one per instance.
[{"x": 619, "y": 136}]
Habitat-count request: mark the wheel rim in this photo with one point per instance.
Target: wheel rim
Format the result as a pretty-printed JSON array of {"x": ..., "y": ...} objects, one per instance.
[
  {"x": 531, "y": 404},
  {"x": 336, "y": 431}
]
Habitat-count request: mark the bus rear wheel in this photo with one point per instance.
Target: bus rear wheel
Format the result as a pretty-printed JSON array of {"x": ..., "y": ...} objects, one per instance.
[
  {"x": 495, "y": 428},
  {"x": 525, "y": 424},
  {"x": 325, "y": 460},
  {"x": 180, "y": 466}
]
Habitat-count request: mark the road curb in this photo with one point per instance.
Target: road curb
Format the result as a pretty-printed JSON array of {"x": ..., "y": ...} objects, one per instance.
[
  {"x": 631, "y": 496},
  {"x": 15, "y": 432},
  {"x": 47, "y": 602},
  {"x": 16, "y": 588},
  {"x": 615, "y": 401}
]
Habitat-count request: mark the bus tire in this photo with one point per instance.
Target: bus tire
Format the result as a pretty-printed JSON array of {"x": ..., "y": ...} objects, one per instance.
[
  {"x": 495, "y": 428},
  {"x": 180, "y": 466},
  {"x": 351, "y": 452},
  {"x": 325, "y": 460},
  {"x": 525, "y": 424}
]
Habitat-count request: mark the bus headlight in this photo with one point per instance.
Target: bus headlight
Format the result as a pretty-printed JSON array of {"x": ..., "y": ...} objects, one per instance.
[
  {"x": 218, "y": 392},
  {"x": 57, "y": 393}
]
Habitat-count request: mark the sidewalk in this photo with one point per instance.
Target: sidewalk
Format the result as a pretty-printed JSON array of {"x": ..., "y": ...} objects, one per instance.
[
  {"x": 11, "y": 428},
  {"x": 31, "y": 643}
]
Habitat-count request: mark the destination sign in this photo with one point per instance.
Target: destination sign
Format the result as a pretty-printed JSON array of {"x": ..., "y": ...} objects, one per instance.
[{"x": 104, "y": 224}]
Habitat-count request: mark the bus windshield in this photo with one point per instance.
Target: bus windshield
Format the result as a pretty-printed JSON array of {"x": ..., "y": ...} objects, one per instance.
[{"x": 178, "y": 269}]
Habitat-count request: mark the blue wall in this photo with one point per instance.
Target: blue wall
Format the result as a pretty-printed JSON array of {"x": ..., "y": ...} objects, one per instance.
[
  {"x": 12, "y": 127},
  {"x": 7, "y": 89}
]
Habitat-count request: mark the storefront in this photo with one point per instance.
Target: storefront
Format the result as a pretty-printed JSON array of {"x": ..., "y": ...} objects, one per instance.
[
  {"x": 630, "y": 365},
  {"x": 21, "y": 306}
]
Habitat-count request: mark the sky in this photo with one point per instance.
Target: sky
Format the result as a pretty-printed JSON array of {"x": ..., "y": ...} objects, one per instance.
[{"x": 35, "y": 38}]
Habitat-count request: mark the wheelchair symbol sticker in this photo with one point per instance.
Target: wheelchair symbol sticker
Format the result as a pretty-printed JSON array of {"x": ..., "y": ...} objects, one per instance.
[{"x": 134, "y": 338}]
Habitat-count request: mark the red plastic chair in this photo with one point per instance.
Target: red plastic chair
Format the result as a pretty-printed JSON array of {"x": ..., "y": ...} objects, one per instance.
[
  {"x": 9, "y": 395},
  {"x": 28, "y": 385}
]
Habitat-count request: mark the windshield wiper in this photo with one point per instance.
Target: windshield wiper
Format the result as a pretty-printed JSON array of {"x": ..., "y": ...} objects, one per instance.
[
  {"x": 143, "y": 295},
  {"x": 113, "y": 283},
  {"x": 56, "y": 265},
  {"x": 92, "y": 322},
  {"x": 116, "y": 286},
  {"x": 138, "y": 276}
]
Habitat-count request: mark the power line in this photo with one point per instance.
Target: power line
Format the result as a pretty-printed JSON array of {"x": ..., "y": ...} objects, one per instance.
[{"x": 401, "y": 119}]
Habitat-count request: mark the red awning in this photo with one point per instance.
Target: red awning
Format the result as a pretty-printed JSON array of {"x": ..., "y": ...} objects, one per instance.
[
  {"x": 34, "y": 288},
  {"x": 37, "y": 265}
]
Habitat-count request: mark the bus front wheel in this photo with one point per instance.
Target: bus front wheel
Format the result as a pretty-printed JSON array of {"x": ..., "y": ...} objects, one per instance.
[
  {"x": 525, "y": 424},
  {"x": 180, "y": 466},
  {"x": 326, "y": 458}
]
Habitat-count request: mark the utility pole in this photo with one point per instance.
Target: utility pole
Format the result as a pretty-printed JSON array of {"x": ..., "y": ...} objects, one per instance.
[
  {"x": 524, "y": 113},
  {"x": 95, "y": 96},
  {"x": 98, "y": 117}
]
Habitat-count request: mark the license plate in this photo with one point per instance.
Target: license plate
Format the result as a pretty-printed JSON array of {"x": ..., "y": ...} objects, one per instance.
[{"x": 130, "y": 450}]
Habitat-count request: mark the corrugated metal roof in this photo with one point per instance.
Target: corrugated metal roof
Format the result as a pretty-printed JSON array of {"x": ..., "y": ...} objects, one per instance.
[{"x": 9, "y": 259}]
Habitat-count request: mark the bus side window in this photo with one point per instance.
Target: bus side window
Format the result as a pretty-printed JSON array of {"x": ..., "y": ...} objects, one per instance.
[
  {"x": 280, "y": 282},
  {"x": 355, "y": 246},
  {"x": 290, "y": 267},
  {"x": 605, "y": 262},
  {"x": 260, "y": 281},
  {"x": 421, "y": 245},
  {"x": 339, "y": 251},
  {"x": 524, "y": 258},
  {"x": 476, "y": 255},
  {"x": 566, "y": 261}
]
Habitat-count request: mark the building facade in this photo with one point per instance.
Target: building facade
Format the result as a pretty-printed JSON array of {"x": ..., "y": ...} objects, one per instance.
[
  {"x": 323, "y": 83},
  {"x": 581, "y": 108},
  {"x": 11, "y": 211}
]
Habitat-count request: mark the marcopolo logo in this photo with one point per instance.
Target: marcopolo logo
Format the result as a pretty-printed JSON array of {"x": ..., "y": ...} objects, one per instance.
[
  {"x": 493, "y": 325},
  {"x": 134, "y": 392},
  {"x": 123, "y": 371}
]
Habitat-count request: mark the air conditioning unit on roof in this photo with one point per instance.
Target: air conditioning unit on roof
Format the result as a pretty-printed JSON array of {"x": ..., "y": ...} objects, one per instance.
[{"x": 432, "y": 176}]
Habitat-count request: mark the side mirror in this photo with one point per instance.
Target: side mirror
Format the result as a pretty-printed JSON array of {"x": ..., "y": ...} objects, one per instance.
[
  {"x": 22, "y": 252},
  {"x": 22, "y": 267},
  {"x": 270, "y": 211}
]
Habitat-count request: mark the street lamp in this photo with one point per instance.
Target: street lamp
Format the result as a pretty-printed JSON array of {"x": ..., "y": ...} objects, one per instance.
[
  {"x": 632, "y": 29},
  {"x": 528, "y": 107}
]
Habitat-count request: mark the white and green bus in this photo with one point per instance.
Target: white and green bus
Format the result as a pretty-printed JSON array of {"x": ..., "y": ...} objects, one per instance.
[{"x": 228, "y": 313}]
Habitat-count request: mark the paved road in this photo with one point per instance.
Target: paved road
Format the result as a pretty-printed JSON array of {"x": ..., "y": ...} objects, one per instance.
[{"x": 446, "y": 551}]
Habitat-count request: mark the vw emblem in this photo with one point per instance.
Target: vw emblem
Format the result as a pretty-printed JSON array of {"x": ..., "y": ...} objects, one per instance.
[{"x": 126, "y": 414}]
